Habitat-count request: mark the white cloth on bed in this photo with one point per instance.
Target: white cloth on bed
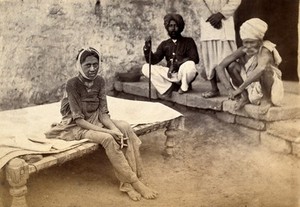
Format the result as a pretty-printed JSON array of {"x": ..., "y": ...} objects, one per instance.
[{"x": 22, "y": 130}]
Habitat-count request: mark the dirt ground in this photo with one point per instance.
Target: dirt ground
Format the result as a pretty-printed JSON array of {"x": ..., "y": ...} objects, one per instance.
[{"x": 214, "y": 165}]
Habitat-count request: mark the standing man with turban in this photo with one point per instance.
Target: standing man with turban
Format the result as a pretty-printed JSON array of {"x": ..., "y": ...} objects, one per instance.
[
  {"x": 253, "y": 69},
  {"x": 217, "y": 37},
  {"x": 181, "y": 55}
]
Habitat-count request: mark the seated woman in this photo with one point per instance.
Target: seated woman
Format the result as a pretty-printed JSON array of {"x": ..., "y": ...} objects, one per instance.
[{"x": 85, "y": 116}]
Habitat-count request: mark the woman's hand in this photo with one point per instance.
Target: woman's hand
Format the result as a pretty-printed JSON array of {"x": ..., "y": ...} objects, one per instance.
[
  {"x": 116, "y": 132},
  {"x": 119, "y": 137}
]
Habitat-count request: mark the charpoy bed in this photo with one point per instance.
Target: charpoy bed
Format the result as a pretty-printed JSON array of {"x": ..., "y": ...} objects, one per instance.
[{"x": 24, "y": 150}]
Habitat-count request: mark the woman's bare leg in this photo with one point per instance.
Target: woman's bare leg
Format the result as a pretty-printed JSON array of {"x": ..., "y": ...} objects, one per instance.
[
  {"x": 145, "y": 191},
  {"x": 123, "y": 170},
  {"x": 135, "y": 160}
]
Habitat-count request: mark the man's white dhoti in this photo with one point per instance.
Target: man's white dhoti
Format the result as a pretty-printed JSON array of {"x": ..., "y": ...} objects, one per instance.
[{"x": 160, "y": 80}]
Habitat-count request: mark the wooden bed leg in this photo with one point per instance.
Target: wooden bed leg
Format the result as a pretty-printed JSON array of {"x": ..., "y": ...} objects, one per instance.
[
  {"x": 17, "y": 173},
  {"x": 170, "y": 143},
  {"x": 171, "y": 132}
]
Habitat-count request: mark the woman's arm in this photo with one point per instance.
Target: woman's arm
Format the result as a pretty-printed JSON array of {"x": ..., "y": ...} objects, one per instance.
[
  {"x": 107, "y": 122},
  {"x": 87, "y": 125},
  {"x": 104, "y": 117}
]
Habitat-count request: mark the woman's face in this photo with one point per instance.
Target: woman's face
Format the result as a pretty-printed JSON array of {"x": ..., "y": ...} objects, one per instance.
[
  {"x": 90, "y": 67},
  {"x": 251, "y": 46}
]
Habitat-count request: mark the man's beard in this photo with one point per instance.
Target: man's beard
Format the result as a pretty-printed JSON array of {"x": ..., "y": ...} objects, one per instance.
[
  {"x": 174, "y": 35},
  {"x": 251, "y": 51}
]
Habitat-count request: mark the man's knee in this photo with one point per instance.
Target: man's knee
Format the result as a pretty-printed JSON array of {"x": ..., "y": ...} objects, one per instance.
[
  {"x": 188, "y": 67},
  {"x": 268, "y": 72},
  {"x": 234, "y": 68}
]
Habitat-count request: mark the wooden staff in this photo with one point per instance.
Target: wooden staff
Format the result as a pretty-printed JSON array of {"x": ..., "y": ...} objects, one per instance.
[{"x": 150, "y": 70}]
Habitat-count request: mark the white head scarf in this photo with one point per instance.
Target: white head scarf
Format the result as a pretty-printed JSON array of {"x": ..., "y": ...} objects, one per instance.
[
  {"x": 254, "y": 28},
  {"x": 78, "y": 64}
]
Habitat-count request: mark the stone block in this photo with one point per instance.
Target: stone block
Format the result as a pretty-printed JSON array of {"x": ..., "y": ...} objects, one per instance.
[
  {"x": 249, "y": 110},
  {"x": 118, "y": 86},
  {"x": 288, "y": 130},
  {"x": 179, "y": 98},
  {"x": 290, "y": 109},
  {"x": 228, "y": 106},
  {"x": 197, "y": 101},
  {"x": 250, "y": 136},
  {"x": 283, "y": 113},
  {"x": 250, "y": 123},
  {"x": 139, "y": 89},
  {"x": 275, "y": 144},
  {"x": 226, "y": 117}
]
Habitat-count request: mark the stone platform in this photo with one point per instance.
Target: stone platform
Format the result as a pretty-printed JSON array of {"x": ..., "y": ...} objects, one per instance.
[{"x": 278, "y": 129}]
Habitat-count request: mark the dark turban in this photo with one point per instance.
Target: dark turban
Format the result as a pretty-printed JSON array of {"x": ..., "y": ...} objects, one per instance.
[{"x": 177, "y": 18}]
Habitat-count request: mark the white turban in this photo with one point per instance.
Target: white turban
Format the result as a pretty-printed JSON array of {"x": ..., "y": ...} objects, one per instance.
[{"x": 254, "y": 28}]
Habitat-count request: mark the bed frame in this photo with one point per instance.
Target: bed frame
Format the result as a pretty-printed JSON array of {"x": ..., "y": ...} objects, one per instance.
[{"x": 19, "y": 169}]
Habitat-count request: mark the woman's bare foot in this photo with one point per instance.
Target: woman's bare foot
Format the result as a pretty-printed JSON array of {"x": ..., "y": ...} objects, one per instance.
[
  {"x": 133, "y": 195},
  {"x": 144, "y": 190},
  {"x": 241, "y": 103}
]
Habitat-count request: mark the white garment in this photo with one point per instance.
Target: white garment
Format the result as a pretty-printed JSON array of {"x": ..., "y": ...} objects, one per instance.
[
  {"x": 216, "y": 44},
  {"x": 162, "y": 83},
  {"x": 213, "y": 52},
  {"x": 227, "y": 8},
  {"x": 255, "y": 93}
]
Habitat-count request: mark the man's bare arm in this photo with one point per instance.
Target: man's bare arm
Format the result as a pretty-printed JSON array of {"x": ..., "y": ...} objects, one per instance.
[
  {"x": 225, "y": 63},
  {"x": 264, "y": 59}
]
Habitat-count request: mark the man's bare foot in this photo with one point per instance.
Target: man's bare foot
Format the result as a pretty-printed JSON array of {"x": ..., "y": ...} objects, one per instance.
[
  {"x": 133, "y": 195},
  {"x": 241, "y": 103},
  {"x": 264, "y": 106},
  {"x": 144, "y": 190}
]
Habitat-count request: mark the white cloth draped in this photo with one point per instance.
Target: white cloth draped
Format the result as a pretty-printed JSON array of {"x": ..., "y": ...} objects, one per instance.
[{"x": 22, "y": 130}]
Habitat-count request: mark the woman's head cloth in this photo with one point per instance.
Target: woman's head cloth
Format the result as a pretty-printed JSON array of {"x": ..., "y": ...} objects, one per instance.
[{"x": 83, "y": 53}]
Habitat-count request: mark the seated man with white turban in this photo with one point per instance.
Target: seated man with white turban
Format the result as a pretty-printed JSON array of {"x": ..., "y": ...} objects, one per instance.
[
  {"x": 253, "y": 69},
  {"x": 181, "y": 55}
]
